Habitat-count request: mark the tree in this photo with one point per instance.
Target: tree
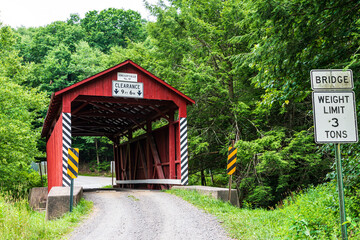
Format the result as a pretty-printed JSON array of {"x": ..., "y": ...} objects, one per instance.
[
  {"x": 19, "y": 108},
  {"x": 55, "y": 74},
  {"x": 194, "y": 42},
  {"x": 112, "y": 27},
  {"x": 37, "y": 43},
  {"x": 288, "y": 39},
  {"x": 85, "y": 61}
]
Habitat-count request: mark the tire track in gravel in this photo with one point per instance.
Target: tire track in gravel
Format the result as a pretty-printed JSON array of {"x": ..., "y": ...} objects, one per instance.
[{"x": 146, "y": 214}]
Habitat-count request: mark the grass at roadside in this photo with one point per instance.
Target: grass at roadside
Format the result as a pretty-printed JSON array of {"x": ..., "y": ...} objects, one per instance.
[
  {"x": 240, "y": 223},
  {"x": 18, "y": 221},
  {"x": 312, "y": 214}
]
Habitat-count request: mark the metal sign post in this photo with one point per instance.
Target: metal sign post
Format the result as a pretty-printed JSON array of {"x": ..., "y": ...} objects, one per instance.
[
  {"x": 71, "y": 194},
  {"x": 72, "y": 170},
  {"x": 335, "y": 119},
  {"x": 341, "y": 191}
]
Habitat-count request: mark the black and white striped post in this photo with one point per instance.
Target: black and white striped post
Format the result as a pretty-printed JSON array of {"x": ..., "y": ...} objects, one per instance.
[
  {"x": 66, "y": 140},
  {"x": 184, "y": 152}
]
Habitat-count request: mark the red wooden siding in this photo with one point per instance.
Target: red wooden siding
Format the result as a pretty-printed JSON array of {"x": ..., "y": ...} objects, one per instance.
[
  {"x": 54, "y": 156},
  {"x": 103, "y": 86}
]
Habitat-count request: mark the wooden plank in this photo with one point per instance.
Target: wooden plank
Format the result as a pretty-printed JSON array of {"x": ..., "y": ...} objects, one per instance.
[
  {"x": 139, "y": 124},
  {"x": 121, "y": 163},
  {"x": 148, "y": 152},
  {"x": 132, "y": 101},
  {"x": 107, "y": 115},
  {"x": 171, "y": 150},
  {"x": 79, "y": 108},
  {"x": 150, "y": 181},
  {"x": 128, "y": 152},
  {"x": 142, "y": 158},
  {"x": 81, "y": 130},
  {"x": 82, "y": 134},
  {"x": 136, "y": 159},
  {"x": 155, "y": 153},
  {"x": 161, "y": 113},
  {"x": 115, "y": 160}
]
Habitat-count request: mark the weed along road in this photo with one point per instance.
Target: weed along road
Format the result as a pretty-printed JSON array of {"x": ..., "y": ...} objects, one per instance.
[{"x": 145, "y": 214}]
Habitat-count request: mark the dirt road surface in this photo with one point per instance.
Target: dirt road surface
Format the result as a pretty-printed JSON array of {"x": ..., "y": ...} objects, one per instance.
[{"x": 145, "y": 214}]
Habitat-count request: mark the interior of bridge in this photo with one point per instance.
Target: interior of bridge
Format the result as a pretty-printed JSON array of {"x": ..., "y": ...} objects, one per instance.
[{"x": 116, "y": 117}]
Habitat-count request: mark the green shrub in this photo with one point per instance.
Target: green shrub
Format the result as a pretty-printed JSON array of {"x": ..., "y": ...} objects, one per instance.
[
  {"x": 312, "y": 213},
  {"x": 195, "y": 179},
  {"x": 277, "y": 163},
  {"x": 19, "y": 186},
  {"x": 220, "y": 180},
  {"x": 102, "y": 167},
  {"x": 18, "y": 221}
]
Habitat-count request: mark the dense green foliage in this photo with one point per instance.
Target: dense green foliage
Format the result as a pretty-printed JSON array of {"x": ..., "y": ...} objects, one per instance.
[
  {"x": 19, "y": 120},
  {"x": 245, "y": 63},
  {"x": 112, "y": 27},
  {"x": 18, "y": 221},
  {"x": 312, "y": 214},
  {"x": 274, "y": 160}
]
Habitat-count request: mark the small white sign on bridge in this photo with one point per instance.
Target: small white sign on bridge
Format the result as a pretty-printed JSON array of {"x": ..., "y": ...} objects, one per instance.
[{"x": 128, "y": 77}]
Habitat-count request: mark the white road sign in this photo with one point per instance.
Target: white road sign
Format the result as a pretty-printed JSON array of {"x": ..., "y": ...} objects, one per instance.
[
  {"x": 331, "y": 79},
  {"x": 127, "y": 89},
  {"x": 128, "y": 77},
  {"x": 335, "y": 117}
]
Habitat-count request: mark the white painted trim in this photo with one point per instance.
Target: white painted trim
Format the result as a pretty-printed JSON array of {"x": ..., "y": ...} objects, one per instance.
[{"x": 150, "y": 181}]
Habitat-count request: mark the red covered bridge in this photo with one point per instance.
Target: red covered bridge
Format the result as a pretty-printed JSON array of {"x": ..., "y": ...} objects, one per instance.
[{"x": 115, "y": 103}]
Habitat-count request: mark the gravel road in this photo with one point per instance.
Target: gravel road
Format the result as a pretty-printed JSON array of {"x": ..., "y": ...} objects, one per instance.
[
  {"x": 92, "y": 182},
  {"x": 145, "y": 214}
]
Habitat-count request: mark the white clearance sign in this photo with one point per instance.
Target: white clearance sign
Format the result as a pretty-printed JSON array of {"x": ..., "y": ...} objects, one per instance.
[
  {"x": 127, "y": 89},
  {"x": 335, "y": 117}
]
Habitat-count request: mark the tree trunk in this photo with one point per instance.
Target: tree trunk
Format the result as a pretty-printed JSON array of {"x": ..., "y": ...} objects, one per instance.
[
  {"x": 97, "y": 155},
  {"x": 41, "y": 176},
  {"x": 231, "y": 88},
  {"x": 211, "y": 177},
  {"x": 203, "y": 180}
]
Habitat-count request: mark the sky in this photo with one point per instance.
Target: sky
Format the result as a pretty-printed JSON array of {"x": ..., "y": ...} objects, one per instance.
[{"x": 36, "y": 13}]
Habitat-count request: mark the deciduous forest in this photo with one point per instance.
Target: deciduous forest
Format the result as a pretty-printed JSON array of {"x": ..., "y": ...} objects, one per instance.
[{"x": 245, "y": 63}]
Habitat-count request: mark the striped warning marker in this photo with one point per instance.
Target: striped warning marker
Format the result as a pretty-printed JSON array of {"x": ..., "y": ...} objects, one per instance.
[
  {"x": 231, "y": 164},
  {"x": 66, "y": 127},
  {"x": 184, "y": 152},
  {"x": 73, "y": 162}
]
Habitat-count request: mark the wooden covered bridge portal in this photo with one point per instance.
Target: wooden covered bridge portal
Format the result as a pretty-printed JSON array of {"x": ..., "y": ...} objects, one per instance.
[{"x": 115, "y": 103}]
